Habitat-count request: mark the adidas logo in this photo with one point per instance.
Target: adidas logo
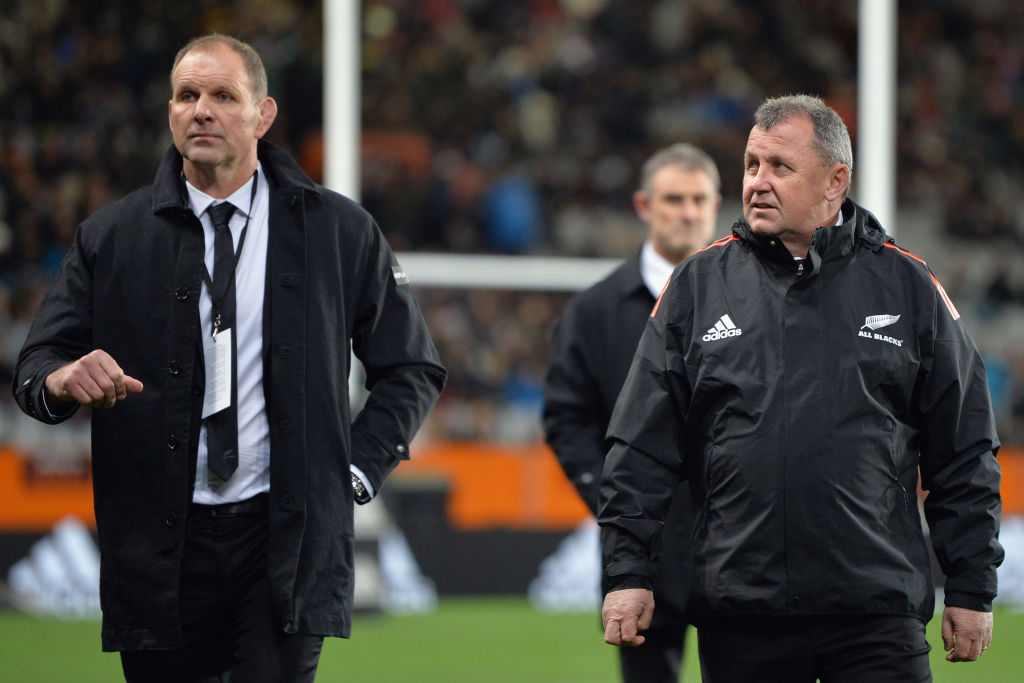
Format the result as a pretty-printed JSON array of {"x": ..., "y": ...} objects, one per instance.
[
  {"x": 60, "y": 576},
  {"x": 723, "y": 329}
]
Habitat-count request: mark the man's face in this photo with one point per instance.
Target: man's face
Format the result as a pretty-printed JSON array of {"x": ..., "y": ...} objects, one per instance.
[
  {"x": 680, "y": 211},
  {"x": 787, "y": 189},
  {"x": 214, "y": 120}
]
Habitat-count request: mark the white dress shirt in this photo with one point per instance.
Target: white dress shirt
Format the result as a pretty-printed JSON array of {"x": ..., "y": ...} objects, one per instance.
[{"x": 253, "y": 473}]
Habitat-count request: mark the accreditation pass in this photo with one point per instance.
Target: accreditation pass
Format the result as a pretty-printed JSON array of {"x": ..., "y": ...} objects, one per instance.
[{"x": 217, "y": 359}]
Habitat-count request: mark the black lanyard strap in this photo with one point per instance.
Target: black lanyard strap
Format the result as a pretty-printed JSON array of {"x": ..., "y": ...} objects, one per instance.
[{"x": 218, "y": 300}]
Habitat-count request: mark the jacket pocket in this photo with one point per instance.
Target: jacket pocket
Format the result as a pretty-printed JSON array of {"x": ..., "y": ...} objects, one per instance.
[{"x": 700, "y": 526}]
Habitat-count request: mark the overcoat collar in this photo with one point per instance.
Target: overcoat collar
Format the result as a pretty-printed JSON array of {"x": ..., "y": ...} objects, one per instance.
[{"x": 283, "y": 172}]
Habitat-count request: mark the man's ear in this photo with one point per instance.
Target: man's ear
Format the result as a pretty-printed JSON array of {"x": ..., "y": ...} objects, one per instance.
[
  {"x": 837, "y": 182},
  {"x": 268, "y": 112},
  {"x": 641, "y": 205}
]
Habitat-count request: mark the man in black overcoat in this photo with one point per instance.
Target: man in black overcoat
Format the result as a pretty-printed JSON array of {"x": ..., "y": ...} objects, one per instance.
[
  {"x": 233, "y": 290},
  {"x": 678, "y": 200}
]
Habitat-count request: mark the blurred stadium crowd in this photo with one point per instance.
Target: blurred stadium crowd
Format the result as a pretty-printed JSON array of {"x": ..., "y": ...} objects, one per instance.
[{"x": 517, "y": 126}]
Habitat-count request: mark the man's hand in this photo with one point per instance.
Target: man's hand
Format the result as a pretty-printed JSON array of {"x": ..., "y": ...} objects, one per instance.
[
  {"x": 92, "y": 380},
  {"x": 965, "y": 633},
  {"x": 626, "y": 612}
]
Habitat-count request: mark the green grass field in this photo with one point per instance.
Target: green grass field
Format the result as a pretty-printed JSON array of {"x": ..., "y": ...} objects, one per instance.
[{"x": 465, "y": 641}]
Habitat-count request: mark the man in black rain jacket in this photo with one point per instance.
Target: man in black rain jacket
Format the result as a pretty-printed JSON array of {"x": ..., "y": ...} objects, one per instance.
[{"x": 801, "y": 378}]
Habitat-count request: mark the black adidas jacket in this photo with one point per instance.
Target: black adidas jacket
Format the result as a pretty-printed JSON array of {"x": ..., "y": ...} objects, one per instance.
[{"x": 800, "y": 400}]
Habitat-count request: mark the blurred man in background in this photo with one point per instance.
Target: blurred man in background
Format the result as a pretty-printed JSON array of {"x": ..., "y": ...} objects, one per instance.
[
  {"x": 595, "y": 341},
  {"x": 799, "y": 374},
  {"x": 207, "y": 319}
]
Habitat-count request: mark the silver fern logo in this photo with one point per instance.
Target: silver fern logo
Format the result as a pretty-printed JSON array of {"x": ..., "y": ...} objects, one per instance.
[
  {"x": 874, "y": 322},
  {"x": 877, "y": 322}
]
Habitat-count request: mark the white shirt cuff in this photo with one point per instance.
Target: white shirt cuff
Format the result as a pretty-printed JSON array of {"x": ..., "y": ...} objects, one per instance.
[
  {"x": 57, "y": 416},
  {"x": 362, "y": 477}
]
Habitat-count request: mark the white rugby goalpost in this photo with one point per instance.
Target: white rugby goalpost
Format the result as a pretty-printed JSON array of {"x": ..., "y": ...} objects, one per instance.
[
  {"x": 875, "y": 159},
  {"x": 875, "y": 173}
]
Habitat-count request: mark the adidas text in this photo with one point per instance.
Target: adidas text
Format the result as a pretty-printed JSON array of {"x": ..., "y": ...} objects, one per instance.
[
  {"x": 714, "y": 335},
  {"x": 723, "y": 329}
]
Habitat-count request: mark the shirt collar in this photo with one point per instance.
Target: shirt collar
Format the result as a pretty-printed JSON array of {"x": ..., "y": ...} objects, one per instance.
[
  {"x": 199, "y": 201},
  {"x": 655, "y": 269}
]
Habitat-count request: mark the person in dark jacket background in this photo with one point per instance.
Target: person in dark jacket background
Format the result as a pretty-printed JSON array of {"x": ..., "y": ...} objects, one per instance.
[
  {"x": 594, "y": 343},
  {"x": 801, "y": 374},
  {"x": 208, "y": 321}
]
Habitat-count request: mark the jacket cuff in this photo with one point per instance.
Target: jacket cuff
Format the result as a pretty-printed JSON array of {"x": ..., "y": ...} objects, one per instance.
[
  {"x": 31, "y": 396},
  {"x": 974, "y": 589},
  {"x": 968, "y": 601},
  {"x": 624, "y": 581},
  {"x": 374, "y": 460}
]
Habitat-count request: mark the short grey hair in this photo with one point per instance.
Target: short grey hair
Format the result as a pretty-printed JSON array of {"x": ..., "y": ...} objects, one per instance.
[
  {"x": 831, "y": 138},
  {"x": 250, "y": 59},
  {"x": 685, "y": 156}
]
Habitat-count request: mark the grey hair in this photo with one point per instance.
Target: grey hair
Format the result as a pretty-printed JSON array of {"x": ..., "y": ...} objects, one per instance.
[
  {"x": 250, "y": 59},
  {"x": 685, "y": 156},
  {"x": 831, "y": 138}
]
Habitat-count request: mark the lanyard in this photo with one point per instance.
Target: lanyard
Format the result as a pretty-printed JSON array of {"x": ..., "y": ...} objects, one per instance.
[{"x": 238, "y": 254}]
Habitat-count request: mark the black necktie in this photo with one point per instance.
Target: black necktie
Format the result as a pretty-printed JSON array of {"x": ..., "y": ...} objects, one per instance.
[{"x": 222, "y": 426}]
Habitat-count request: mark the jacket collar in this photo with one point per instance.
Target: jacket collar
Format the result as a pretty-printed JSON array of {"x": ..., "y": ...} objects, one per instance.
[
  {"x": 632, "y": 281},
  {"x": 282, "y": 172},
  {"x": 827, "y": 243}
]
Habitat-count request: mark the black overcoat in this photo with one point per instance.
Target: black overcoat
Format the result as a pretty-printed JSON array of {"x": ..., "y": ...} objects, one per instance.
[
  {"x": 130, "y": 285},
  {"x": 590, "y": 357}
]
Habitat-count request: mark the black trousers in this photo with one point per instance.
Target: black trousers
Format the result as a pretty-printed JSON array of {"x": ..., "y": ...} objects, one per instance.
[
  {"x": 659, "y": 659},
  {"x": 231, "y": 633},
  {"x": 832, "y": 649}
]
